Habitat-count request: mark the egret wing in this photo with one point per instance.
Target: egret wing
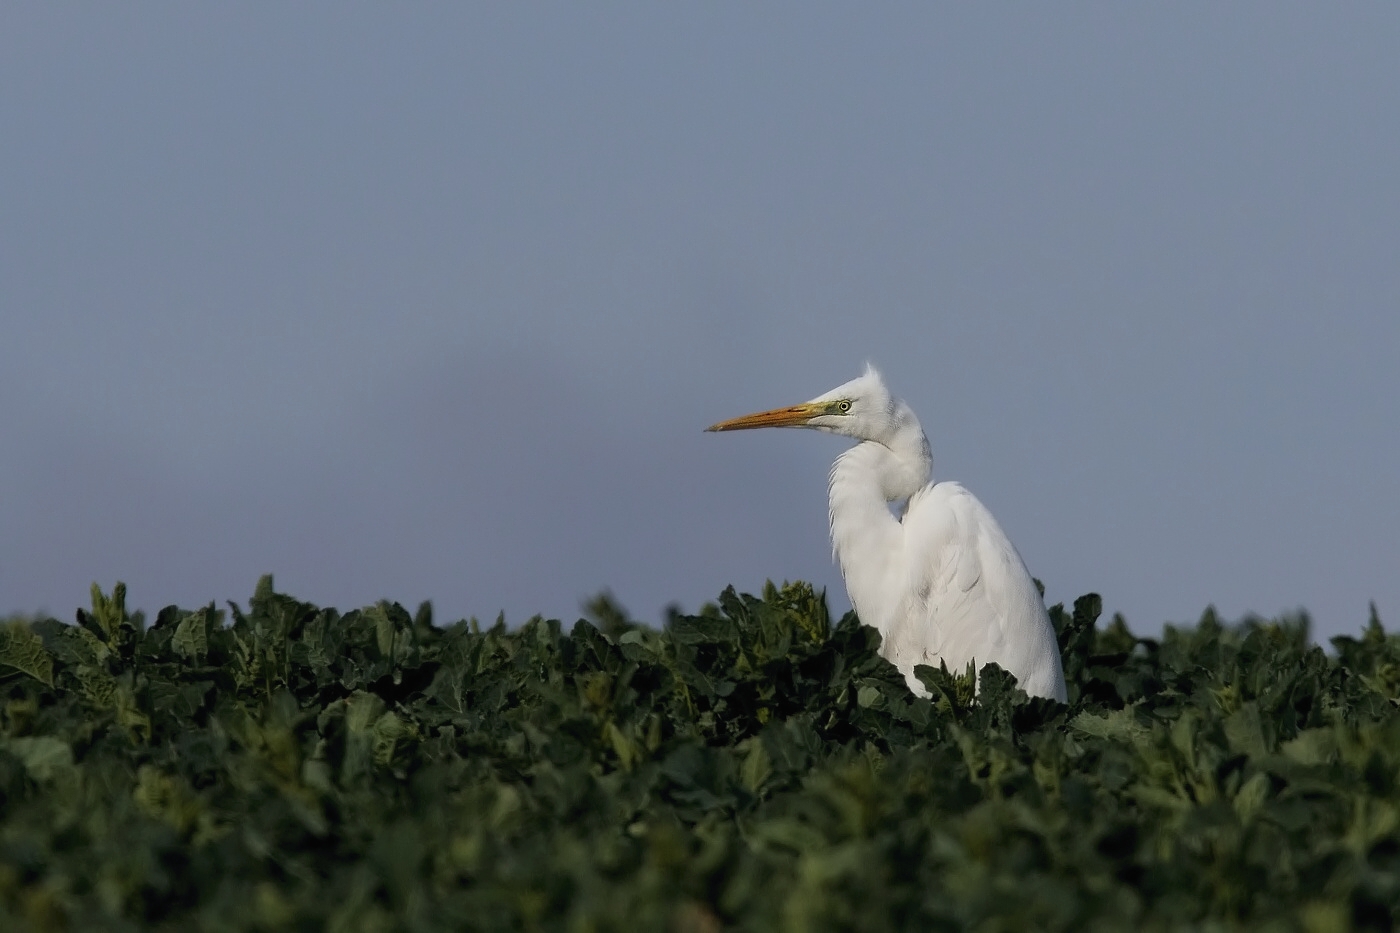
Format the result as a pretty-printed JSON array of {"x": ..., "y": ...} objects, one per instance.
[{"x": 969, "y": 596}]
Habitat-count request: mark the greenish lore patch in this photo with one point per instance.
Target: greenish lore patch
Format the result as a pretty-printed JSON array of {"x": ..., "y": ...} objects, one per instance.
[{"x": 750, "y": 767}]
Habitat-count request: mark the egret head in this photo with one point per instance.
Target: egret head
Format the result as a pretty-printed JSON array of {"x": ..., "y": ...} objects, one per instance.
[{"x": 862, "y": 408}]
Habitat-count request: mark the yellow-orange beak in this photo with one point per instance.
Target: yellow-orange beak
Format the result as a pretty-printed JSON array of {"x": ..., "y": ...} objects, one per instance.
[{"x": 794, "y": 416}]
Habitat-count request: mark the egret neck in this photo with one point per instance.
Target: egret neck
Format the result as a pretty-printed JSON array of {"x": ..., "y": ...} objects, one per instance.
[{"x": 866, "y": 538}]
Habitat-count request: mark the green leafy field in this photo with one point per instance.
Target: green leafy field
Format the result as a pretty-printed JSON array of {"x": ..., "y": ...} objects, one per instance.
[{"x": 753, "y": 768}]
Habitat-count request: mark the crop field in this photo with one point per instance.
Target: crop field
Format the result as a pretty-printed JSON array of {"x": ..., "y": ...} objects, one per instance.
[{"x": 755, "y": 767}]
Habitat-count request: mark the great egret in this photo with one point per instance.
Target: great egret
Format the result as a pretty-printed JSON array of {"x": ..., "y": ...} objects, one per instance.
[{"x": 940, "y": 583}]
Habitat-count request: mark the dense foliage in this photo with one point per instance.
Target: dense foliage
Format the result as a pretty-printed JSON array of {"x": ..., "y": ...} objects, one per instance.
[{"x": 752, "y": 767}]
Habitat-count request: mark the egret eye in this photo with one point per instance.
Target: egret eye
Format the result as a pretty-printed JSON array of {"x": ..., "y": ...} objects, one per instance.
[{"x": 844, "y": 406}]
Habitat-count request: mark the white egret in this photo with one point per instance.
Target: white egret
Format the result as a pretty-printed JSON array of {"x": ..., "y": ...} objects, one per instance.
[{"x": 942, "y": 582}]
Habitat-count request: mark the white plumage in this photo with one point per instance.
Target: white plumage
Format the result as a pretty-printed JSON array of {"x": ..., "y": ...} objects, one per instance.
[{"x": 942, "y": 582}]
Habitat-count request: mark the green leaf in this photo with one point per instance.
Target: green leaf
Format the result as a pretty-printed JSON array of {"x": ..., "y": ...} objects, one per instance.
[
  {"x": 1251, "y": 795},
  {"x": 1312, "y": 746},
  {"x": 110, "y": 616},
  {"x": 756, "y": 768},
  {"x": 628, "y": 754},
  {"x": 45, "y": 758},
  {"x": 1120, "y": 725},
  {"x": 23, "y": 650},
  {"x": 1245, "y": 732},
  {"x": 191, "y": 638}
]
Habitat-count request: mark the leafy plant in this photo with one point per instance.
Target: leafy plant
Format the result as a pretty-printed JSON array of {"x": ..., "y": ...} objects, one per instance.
[{"x": 750, "y": 767}]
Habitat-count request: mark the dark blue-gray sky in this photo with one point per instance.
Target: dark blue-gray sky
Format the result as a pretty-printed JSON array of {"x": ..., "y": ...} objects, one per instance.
[{"x": 434, "y": 303}]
